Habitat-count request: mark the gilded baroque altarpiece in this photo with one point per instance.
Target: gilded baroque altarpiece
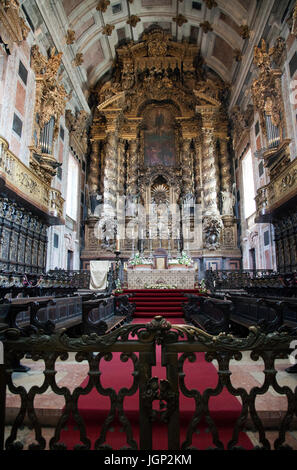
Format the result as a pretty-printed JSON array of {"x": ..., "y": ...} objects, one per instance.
[{"x": 159, "y": 140}]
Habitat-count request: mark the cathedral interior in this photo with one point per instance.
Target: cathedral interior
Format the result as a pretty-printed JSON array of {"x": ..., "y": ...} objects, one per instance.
[{"x": 147, "y": 145}]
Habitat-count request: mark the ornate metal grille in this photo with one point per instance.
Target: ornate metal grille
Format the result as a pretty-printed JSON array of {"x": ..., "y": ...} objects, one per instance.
[{"x": 138, "y": 343}]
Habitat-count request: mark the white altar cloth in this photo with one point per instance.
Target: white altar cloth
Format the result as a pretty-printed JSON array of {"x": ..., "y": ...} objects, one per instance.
[{"x": 182, "y": 278}]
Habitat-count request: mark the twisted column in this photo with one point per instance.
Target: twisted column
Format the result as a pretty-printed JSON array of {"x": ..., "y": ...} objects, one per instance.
[
  {"x": 110, "y": 170},
  {"x": 209, "y": 173},
  {"x": 197, "y": 170},
  {"x": 94, "y": 168},
  {"x": 132, "y": 168},
  {"x": 121, "y": 166},
  {"x": 225, "y": 164},
  {"x": 187, "y": 175}
]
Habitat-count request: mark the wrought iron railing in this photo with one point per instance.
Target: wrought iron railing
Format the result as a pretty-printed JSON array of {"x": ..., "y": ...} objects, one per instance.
[{"x": 137, "y": 345}]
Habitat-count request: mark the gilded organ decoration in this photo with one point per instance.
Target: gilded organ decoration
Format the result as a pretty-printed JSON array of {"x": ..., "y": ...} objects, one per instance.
[
  {"x": 267, "y": 94},
  {"x": 50, "y": 102},
  {"x": 13, "y": 27},
  {"x": 160, "y": 138}
]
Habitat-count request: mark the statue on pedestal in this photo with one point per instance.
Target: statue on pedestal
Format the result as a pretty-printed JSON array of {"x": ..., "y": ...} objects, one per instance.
[{"x": 228, "y": 201}]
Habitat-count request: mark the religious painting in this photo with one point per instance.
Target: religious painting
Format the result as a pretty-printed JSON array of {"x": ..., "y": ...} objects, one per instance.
[{"x": 159, "y": 138}]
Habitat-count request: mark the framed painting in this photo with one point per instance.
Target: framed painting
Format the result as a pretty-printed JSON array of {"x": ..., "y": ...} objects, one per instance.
[{"x": 159, "y": 138}]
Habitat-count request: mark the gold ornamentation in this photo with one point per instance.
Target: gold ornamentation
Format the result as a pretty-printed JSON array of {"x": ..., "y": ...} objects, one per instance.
[
  {"x": 239, "y": 125},
  {"x": 78, "y": 60},
  {"x": 282, "y": 185},
  {"x": 180, "y": 20},
  {"x": 266, "y": 90},
  {"x": 237, "y": 54},
  {"x": 77, "y": 127},
  {"x": 108, "y": 29},
  {"x": 26, "y": 182},
  {"x": 210, "y": 4},
  {"x": 102, "y": 5},
  {"x": 206, "y": 26},
  {"x": 50, "y": 101},
  {"x": 133, "y": 20},
  {"x": 13, "y": 26},
  {"x": 153, "y": 70},
  {"x": 70, "y": 37},
  {"x": 51, "y": 96},
  {"x": 278, "y": 51},
  {"x": 244, "y": 31}
]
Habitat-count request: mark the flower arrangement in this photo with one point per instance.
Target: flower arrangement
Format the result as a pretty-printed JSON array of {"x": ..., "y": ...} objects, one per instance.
[
  {"x": 118, "y": 285},
  {"x": 202, "y": 287},
  {"x": 184, "y": 259},
  {"x": 138, "y": 259}
]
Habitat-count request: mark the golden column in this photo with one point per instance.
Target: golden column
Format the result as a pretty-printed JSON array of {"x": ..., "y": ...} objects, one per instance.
[
  {"x": 187, "y": 167},
  {"x": 225, "y": 163},
  {"x": 198, "y": 168},
  {"x": 209, "y": 173},
  {"x": 94, "y": 168},
  {"x": 111, "y": 162}
]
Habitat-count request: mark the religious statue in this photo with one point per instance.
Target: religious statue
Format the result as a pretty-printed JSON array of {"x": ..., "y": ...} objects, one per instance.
[{"x": 228, "y": 201}]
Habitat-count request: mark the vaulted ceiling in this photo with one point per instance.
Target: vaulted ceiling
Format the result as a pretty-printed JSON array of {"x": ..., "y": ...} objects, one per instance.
[{"x": 88, "y": 32}]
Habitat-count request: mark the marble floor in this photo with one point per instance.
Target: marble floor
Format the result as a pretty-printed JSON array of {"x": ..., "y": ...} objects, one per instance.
[{"x": 246, "y": 373}]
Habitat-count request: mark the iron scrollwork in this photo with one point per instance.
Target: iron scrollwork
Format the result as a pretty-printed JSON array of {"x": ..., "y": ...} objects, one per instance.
[{"x": 137, "y": 343}]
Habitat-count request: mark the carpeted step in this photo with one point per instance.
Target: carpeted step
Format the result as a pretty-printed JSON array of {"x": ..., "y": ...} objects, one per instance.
[
  {"x": 165, "y": 302},
  {"x": 156, "y": 303},
  {"x": 157, "y": 299}
]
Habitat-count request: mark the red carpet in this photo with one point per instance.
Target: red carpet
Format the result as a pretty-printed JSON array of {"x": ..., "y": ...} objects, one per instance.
[
  {"x": 165, "y": 302},
  {"x": 94, "y": 408}
]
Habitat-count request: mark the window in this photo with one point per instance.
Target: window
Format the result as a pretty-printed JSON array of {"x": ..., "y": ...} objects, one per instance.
[
  {"x": 59, "y": 172},
  {"x": 196, "y": 6},
  {"x": 62, "y": 133},
  {"x": 248, "y": 185},
  {"x": 293, "y": 64},
  {"x": 17, "y": 125},
  {"x": 266, "y": 238},
  {"x": 116, "y": 8},
  {"x": 72, "y": 188},
  {"x": 23, "y": 72},
  {"x": 257, "y": 128},
  {"x": 261, "y": 168},
  {"x": 121, "y": 32},
  {"x": 56, "y": 240},
  {"x": 194, "y": 34}
]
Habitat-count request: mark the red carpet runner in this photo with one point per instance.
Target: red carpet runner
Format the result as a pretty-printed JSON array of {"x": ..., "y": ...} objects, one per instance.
[
  {"x": 94, "y": 408},
  {"x": 151, "y": 302}
]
